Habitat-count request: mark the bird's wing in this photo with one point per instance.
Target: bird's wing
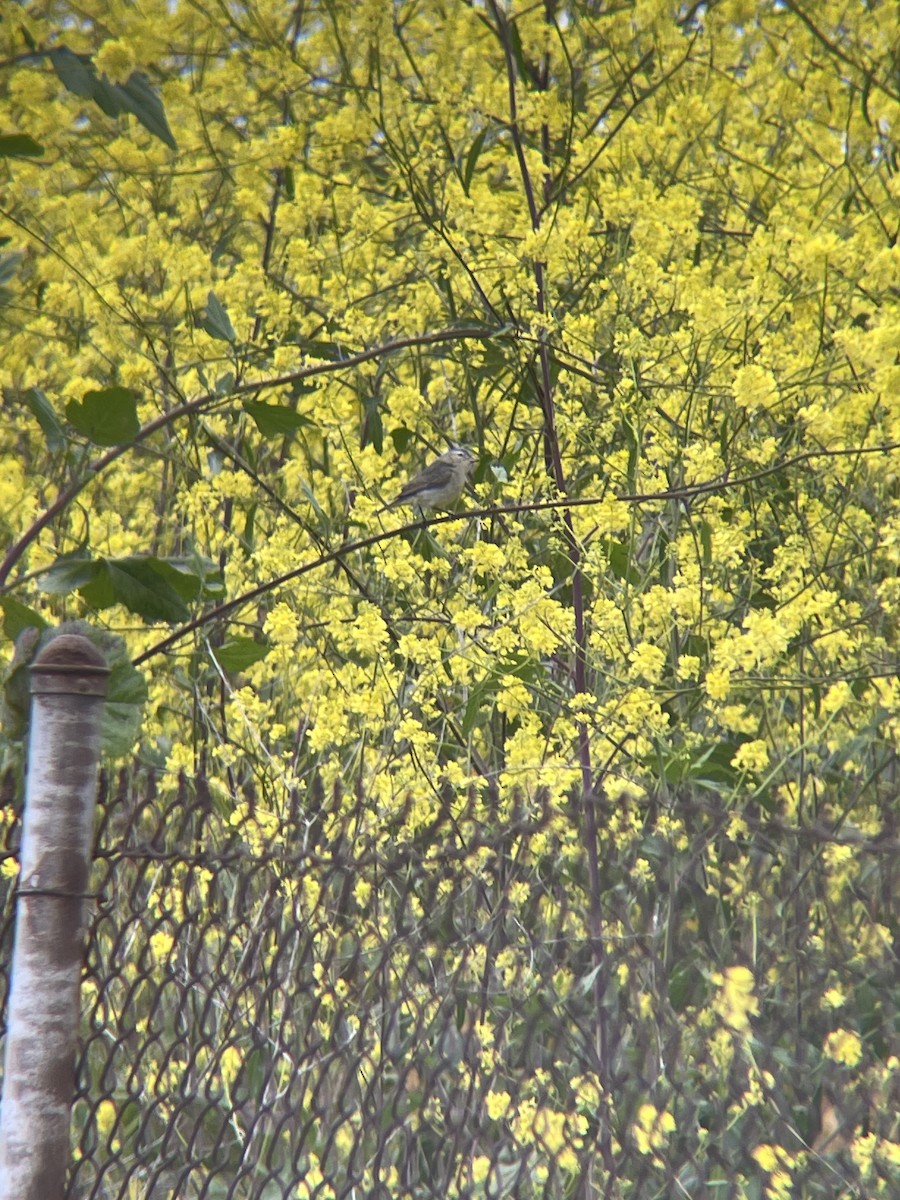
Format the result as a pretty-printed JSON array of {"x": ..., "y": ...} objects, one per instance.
[{"x": 438, "y": 475}]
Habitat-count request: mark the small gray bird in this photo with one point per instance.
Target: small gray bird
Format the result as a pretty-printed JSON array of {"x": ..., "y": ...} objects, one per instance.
[{"x": 440, "y": 485}]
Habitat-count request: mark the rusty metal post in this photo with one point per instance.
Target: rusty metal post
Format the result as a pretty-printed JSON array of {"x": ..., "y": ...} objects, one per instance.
[{"x": 68, "y": 685}]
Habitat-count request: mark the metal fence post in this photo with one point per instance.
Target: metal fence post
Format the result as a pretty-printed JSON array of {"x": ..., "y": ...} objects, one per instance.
[{"x": 68, "y": 684}]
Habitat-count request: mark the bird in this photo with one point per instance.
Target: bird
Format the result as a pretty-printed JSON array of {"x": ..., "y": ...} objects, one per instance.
[{"x": 440, "y": 484}]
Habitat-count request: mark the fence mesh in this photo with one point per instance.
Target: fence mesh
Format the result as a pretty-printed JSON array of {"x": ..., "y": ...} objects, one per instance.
[{"x": 313, "y": 1011}]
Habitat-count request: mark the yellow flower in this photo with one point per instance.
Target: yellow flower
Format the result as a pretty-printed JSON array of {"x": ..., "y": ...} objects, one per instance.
[
  {"x": 230, "y": 1061},
  {"x": 844, "y": 1046},
  {"x": 765, "y": 1156},
  {"x": 651, "y": 1129},
  {"x": 718, "y": 683},
  {"x": 752, "y": 756},
  {"x": 105, "y": 1116},
  {"x": 115, "y": 60},
  {"x": 754, "y": 387},
  {"x": 161, "y": 945},
  {"x": 735, "y": 1002},
  {"x": 370, "y": 631},
  {"x": 648, "y": 661},
  {"x": 497, "y": 1104},
  {"x": 481, "y": 1168},
  {"x": 282, "y": 626},
  {"x": 834, "y": 998}
]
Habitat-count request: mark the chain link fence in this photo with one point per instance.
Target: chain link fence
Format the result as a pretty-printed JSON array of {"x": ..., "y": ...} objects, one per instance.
[
  {"x": 261, "y": 1020},
  {"x": 273, "y": 1008}
]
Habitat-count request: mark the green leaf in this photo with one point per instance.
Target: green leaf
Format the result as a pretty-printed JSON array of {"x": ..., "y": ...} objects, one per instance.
[
  {"x": 490, "y": 329},
  {"x": 299, "y": 388},
  {"x": 710, "y": 765},
  {"x": 78, "y": 75},
  {"x": 157, "y": 589},
  {"x": 106, "y": 95},
  {"x": 193, "y": 578},
  {"x": 125, "y": 699},
  {"x": 518, "y": 53},
  {"x": 45, "y": 414},
  {"x": 686, "y": 985},
  {"x": 126, "y": 687},
  {"x": 69, "y": 573},
  {"x": 373, "y": 428},
  {"x": 138, "y": 585},
  {"x": 620, "y": 561},
  {"x": 9, "y": 264},
  {"x": 179, "y": 575},
  {"x": 483, "y": 693},
  {"x": 706, "y": 542},
  {"x": 273, "y": 420},
  {"x": 472, "y": 159},
  {"x": 330, "y": 351},
  {"x": 240, "y": 653},
  {"x": 310, "y": 496},
  {"x": 139, "y": 98},
  {"x": 400, "y": 437},
  {"x": 75, "y": 71},
  {"x": 18, "y": 616},
  {"x": 217, "y": 322},
  {"x": 107, "y": 417},
  {"x": 20, "y": 145}
]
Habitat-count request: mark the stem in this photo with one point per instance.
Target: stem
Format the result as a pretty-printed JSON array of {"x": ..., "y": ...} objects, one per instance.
[
  {"x": 203, "y": 404},
  {"x": 554, "y": 461}
]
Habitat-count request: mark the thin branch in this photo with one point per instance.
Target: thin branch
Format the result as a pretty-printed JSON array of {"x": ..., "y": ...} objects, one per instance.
[{"x": 209, "y": 401}]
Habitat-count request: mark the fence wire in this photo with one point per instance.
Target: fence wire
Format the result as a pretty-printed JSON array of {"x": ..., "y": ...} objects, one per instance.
[{"x": 326, "y": 1014}]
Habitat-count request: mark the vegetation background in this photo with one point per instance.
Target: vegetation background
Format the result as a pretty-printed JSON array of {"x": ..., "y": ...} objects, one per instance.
[{"x": 549, "y": 849}]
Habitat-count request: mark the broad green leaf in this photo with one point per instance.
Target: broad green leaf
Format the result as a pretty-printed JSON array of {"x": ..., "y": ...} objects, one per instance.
[
  {"x": 217, "y": 322},
  {"x": 400, "y": 437},
  {"x": 144, "y": 585},
  {"x": 179, "y": 574},
  {"x": 125, "y": 695},
  {"x": 9, "y": 265},
  {"x": 78, "y": 75},
  {"x": 20, "y": 145},
  {"x": 107, "y": 417},
  {"x": 374, "y": 426},
  {"x": 239, "y": 653},
  {"x": 140, "y": 99},
  {"x": 194, "y": 578},
  {"x": 330, "y": 351},
  {"x": 69, "y": 573},
  {"x": 472, "y": 159},
  {"x": 136, "y": 584},
  {"x": 619, "y": 556},
  {"x": 300, "y": 388},
  {"x": 45, "y": 415},
  {"x": 125, "y": 699},
  {"x": 18, "y": 616},
  {"x": 710, "y": 765},
  {"x": 273, "y": 420},
  {"x": 75, "y": 71},
  {"x": 106, "y": 95}
]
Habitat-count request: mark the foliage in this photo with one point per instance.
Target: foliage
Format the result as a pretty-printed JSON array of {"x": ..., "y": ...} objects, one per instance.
[{"x": 643, "y": 258}]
